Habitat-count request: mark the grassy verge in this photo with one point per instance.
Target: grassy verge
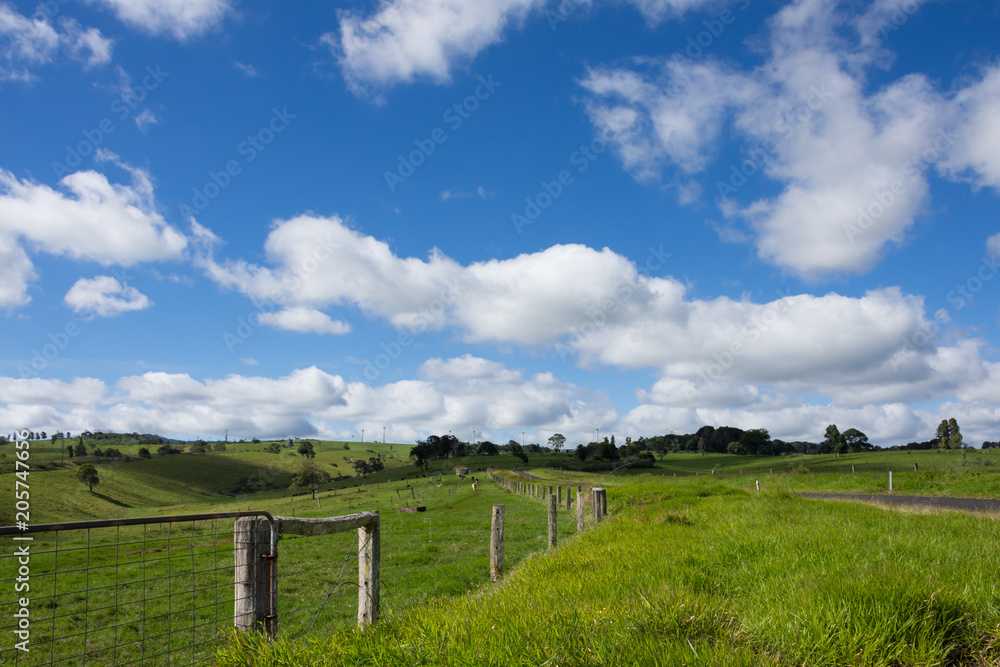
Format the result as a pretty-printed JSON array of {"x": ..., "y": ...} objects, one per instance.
[{"x": 702, "y": 573}]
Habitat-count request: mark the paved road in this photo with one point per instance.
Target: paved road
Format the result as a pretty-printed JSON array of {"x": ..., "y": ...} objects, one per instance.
[{"x": 964, "y": 504}]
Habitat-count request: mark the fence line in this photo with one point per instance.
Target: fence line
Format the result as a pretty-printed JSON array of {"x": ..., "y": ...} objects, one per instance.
[{"x": 126, "y": 591}]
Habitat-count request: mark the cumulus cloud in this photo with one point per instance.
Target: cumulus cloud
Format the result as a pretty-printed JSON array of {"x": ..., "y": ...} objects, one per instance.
[
  {"x": 180, "y": 19},
  {"x": 305, "y": 320},
  {"x": 409, "y": 39},
  {"x": 596, "y": 308},
  {"x": 450, "y": 394},
  {"x": 28, "y": 43},
  {"x": 105, "y": 296},
  {"x": 88, "y": 218},
  {"x": 851, "y": 162},
  {"x": 977, "y": 153}
]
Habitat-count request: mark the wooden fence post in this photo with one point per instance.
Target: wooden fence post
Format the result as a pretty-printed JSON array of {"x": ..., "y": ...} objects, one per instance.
[
  {"x": 599, "y": 506},
  {"x": 604, "y": 502},
  {"x": 255, "y": 603},
  {"x": 496, "y": 544},
  {"x": 579, "y": 509},
  {"x": 552, "y": 520},
  {"x": 369, "y": 557},
  {"x": 413, "y": 494},
  {"x": 559, "y": 495}
]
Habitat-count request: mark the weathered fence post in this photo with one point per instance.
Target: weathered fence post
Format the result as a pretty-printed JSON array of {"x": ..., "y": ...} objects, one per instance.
[
  {"x": 604, "y": 502},
  {"x": 852, "y": 468},
  {"x": 890, "y": 481},
  {"x": 496, "y": 544},
  {"x": 596, "y": 496},
  {"x": 369, "y": 557},
  {"x": 559, "y": 495},
  {"x": 552, "y": 520},
  {"x": 579, "y": 509},
  {"x": 916, "y": 468},
  {"x": 255, "y": 576}
]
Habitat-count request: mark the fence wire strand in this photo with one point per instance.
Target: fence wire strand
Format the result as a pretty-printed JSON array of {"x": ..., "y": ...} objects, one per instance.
[{"x": 142, "y": 591}]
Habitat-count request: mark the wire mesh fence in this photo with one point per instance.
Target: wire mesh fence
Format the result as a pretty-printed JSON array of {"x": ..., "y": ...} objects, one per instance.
[{"x": 153, "y": 591}]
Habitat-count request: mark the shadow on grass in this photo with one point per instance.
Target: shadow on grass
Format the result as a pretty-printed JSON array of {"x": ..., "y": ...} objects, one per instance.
[{"x": 110, "y": 500}]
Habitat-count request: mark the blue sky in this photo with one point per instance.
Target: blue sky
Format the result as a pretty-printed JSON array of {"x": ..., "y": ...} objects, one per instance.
[{"x": 431, "y": 215}]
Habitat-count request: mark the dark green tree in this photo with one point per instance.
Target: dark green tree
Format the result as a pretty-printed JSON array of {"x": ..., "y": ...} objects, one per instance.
[
  {"x": 943, "y": 434},
  {"x": 856, "y": 441},
  {"x": 310, "y": 477},
  {"x": 87, "y": 474},
  {"x": 756, "y": 441},
  {"x": 487, "y": 448},
  {"x": 954, "y": 435},
  {"x": 306, "y": 449},
  {"x": 557, "y": 440},
  {"x": 834, "y": 440}
]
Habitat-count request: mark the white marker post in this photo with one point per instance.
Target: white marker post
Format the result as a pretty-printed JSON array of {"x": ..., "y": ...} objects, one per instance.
[{"x": 890, "y": 481}]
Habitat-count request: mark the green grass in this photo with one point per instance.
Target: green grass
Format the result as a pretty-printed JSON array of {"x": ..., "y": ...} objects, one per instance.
[
  {"x": 691, "y": 569},
  {"x": 701, "y": 573}
]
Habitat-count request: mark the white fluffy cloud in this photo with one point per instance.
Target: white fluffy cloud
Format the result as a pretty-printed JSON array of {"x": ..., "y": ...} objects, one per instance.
[
  {"x": 28, "y": 43},
  {"x": 851, "y": 162},
  {"x": 305, "y": 320},
  {"x": 977, "y": 154},
  {"x": 105, "y": 296},
  {"x": 408, "y": 39},
  {"x": 451, "y": 394},
  {"x": 89, "y": 219},
  {"x": 595, "y": 308},
  {"x": 181, "y": 19}
]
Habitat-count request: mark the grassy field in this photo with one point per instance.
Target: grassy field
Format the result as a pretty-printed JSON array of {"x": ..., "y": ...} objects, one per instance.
[
  {"x": 692, "y": 568},
  {"x": 698, "y": 572}
]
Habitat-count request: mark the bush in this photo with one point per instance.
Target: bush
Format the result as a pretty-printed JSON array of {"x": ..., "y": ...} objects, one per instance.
[{"x": 144, "y": 453}]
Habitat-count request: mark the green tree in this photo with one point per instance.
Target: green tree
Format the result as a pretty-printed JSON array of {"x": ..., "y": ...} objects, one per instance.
[
  {"x": 219, "y": 447},
  {"x": 735, "y": 448},
  {"x": 581, "y": 452},
  {"x": 310, "y": 477},
  {"x": 273, "y": 448},
  {"x": 943, "y": 434},
  {"x": 557, "y": 440},
  {"x": 487, "y": 448},
  {"x": 756, "y": 441},
  {"x": 954, "y": 435},
  {"x": 144, "y": 453},
  {"x": 306, "y": 449},
  {"x": 856, "y": 441},
  {"x": 834, "y": 440},
  {"x": 87, "y": 474}
]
